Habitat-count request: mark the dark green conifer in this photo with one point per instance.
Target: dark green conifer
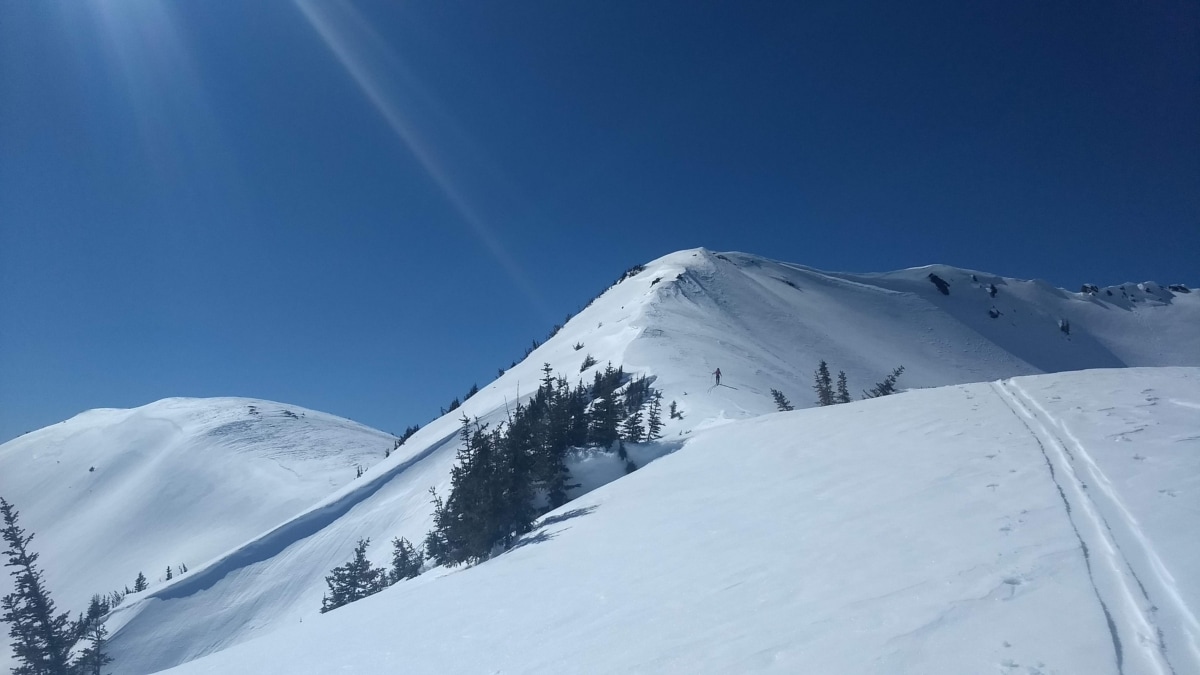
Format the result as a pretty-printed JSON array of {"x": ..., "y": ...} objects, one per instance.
[
  {"x": 823, "y": 385},
  {"x": 353, "y": 581},
  {"x": 406, "y": 560},
  {"x": 41, "y": 636},
  {"x": 781, "y": 401},
  {"x": 887, "y": 387},
  {"x": 843, "y": 390}
]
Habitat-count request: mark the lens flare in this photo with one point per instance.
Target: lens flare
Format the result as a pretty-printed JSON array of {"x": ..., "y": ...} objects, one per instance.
[{"x": 385, "y": 81}]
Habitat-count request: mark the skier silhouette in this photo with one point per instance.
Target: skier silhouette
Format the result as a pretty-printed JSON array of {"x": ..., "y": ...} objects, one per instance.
[{"x": 717, "y": 374}]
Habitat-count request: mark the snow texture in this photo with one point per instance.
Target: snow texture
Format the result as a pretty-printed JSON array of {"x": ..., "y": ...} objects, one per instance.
[
  {"x": 1036, "y": 525},
  {"x": 846, "y": 539}
]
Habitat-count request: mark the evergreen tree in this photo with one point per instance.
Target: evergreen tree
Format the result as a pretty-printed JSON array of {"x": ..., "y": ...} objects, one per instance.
[
  {"x": 139, "y": 584},
  {"x": 843, "y": 390},
  {"x": 97, "y": 608},
  {"x": 654, "y": 421},
  {"x": 673, "y": 411},
  {"x": 93, "y": 658},
  {"x": 781, "y": 401},
  {"x": 41, "y": 637},
  {"x": 406, "y": 560},
  {"x": 353, "y": 581},
  {"x": 437, "y": 545},
  {"x": 604, "y": 418},
  {"x": 631, "y": 428},
  {"x": 170, "y": 575},
  {"x": 823, "y": 385},
  {"x": 887, "y": 387}
]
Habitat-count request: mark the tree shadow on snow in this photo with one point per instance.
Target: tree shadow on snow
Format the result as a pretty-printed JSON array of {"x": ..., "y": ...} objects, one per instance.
[{"x": 540, "y": 534}]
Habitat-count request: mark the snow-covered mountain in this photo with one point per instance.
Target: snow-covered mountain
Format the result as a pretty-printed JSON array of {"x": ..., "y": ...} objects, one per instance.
[
  {"x": 765, "y": 324},
  {"x": 1042, "y": 525}
]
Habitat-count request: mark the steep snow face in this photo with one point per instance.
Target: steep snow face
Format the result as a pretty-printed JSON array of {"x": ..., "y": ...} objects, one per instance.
[
  {"x": 1037, "y": 525},
  {"x": 110, "y": 493},
  {"x": 765, "y": 324}
]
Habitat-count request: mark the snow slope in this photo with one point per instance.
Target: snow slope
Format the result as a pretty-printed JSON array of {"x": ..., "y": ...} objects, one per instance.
[
  {"x": 765, "y": 324},
  {"x": 1038, "y": 525},
  {"x": 110, "y": 493}
]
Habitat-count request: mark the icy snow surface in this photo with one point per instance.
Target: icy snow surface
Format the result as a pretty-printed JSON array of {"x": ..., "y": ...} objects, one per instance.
[{"x": 258, "y": 547}]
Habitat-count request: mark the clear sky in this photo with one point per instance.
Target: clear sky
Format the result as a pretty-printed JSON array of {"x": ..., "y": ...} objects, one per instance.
[{"x": 366, "y": 207}]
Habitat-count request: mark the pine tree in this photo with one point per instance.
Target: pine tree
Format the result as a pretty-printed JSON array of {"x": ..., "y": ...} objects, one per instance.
[
  {"x": 631, "y": 429},
  {"x": 887, "y": 387},
  {"x": 41, "y": 637},
  {"x": 781, "y": 401},
  {"x": 353, "y": 581},
  {"x": 139, "y": 584},
  {"x": 843, "y": 389},
  {"x": 654, "y": 421},
  {"x": 406, "y": 560},
  {"x": 170, "y": 575},
  {"x": 93, "y": 658},
  {"x": 823, "y": 385},
  {"x": 437, "y": 544}
]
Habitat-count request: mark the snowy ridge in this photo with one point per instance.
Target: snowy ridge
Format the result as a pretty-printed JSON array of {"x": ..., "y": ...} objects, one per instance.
[
  {"x": 934, "y": 531},
  {"x": 110, "y": 493},
  {"x": 765, "y": 324}
]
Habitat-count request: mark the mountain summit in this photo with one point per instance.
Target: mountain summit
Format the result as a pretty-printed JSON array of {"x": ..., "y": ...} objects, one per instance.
[{"x": 259, "y": 543}]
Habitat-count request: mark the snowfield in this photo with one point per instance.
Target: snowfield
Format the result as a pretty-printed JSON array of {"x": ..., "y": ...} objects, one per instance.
[
  {"x": 893, "y": 535},
  {"x": 1036, "y": 525}
]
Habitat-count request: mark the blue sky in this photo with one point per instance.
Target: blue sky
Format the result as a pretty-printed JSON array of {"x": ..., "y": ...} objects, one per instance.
[{"x": 366, "y": 207}]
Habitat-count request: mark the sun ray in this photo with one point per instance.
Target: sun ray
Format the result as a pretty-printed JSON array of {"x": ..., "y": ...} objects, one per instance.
[{"x": 374, "y": 67}]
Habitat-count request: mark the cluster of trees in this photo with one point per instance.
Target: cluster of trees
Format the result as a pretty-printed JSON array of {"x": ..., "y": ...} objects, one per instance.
[
  {"x": 44, "y": 639},
  {"x": 358, "y": 579},
  {"x": 829, "y": 394},
  {"x": 504, "y": 474}
]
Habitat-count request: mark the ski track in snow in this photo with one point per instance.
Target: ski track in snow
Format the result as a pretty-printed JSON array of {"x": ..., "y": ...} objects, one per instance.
[{"x": 1136, "y": 592}]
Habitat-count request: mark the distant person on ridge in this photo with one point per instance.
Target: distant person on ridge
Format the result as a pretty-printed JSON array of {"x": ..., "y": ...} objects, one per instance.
[{"x": 717, "y": 374}]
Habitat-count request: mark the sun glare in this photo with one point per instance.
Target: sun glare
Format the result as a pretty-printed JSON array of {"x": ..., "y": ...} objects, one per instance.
[{"x": 385, "y": 81}]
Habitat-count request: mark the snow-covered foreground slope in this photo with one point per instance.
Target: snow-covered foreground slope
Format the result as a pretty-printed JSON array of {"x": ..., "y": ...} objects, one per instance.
[
  {"x": 765, "y": 324},
  {"x": 110, "y": 493},
  {"x": 1037, "y": 525}
]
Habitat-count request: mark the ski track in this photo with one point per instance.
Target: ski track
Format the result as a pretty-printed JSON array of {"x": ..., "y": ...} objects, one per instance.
[{"x": 1136, "y": 592}]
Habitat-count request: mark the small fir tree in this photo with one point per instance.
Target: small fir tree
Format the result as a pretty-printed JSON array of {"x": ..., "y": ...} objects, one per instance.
[
  {"x": 843, "y": 390},
  {"x": 170, "y": 575},
  {"x": 781, "y": 401},
  {"x": 406, "y": 560},
  {"x": 353, "y": 581},
  {"x": 631, "y": 429},
  {"x": 140, "y": 584},
  {"x": 93, "y": 658},
  {"x": 41, "y": 636},
  {"x": 654, "y": 421},
  {"x": 823, "y": 385},
  {"x": 887, "y": 387}
]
